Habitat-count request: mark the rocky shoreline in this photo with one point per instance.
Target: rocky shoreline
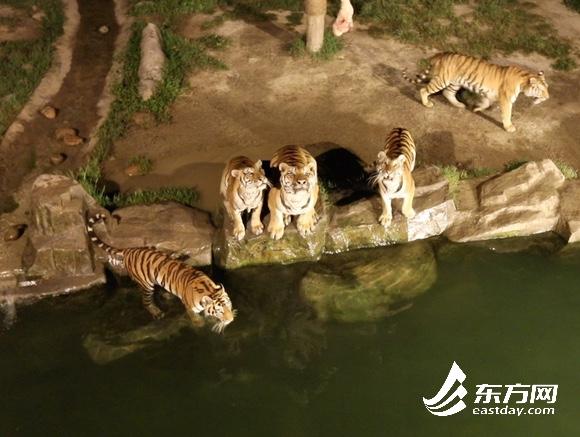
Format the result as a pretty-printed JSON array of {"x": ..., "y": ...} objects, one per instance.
[{"x": 53, "y": 255}]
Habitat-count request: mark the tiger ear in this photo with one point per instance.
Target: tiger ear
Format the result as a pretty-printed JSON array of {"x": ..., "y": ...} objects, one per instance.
[
  {"x": 540, "y": 73},
  {"x": 205, "y": 301},
  {"x": 258, "y": 164},
  {"x": 284, "y": 167},
  {"x": 235, "y": 173},
  {"x": 381, "y": 156},
  {"x": 399, "y": 160}
]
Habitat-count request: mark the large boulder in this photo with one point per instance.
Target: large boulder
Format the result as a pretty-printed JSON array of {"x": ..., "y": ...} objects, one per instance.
[
  {"x": 371, "y": 284},
  {"x": 168, "y": 226},
  {"x": 229, "y": 253},
  {"x": 569, "y": 226},
  {"x": 59, "y": 246},
  {"x": 355, "y": 225},
  {"x": 522, "y": 202}
]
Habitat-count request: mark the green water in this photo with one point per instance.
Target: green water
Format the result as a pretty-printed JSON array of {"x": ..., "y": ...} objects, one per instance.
[{"x": 277, "y": 371}]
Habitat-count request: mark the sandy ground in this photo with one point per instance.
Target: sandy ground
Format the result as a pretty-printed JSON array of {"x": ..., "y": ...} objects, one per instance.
[{"x": 268, "y": 99}]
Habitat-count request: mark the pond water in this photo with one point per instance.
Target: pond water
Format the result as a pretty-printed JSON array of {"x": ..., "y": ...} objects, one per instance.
[{"x": 278, "y": 371}]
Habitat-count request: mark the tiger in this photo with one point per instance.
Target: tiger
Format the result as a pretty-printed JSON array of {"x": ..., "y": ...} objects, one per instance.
[
  {"x": 242, "y": 188},
  {"x": 452, "y": 71},
  {"x": 150, "y": 267},
  {"x": 392, "y": 174},
  {"x": 297, "y": 194}
]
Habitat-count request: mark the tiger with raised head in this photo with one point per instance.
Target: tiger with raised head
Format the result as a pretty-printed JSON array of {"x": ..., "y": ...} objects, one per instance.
[
  {"x": 297, "y": 194},
  {"x": 242, "y": 188},
  {"x": 449, "y": 72},
  {"x": 150, "y": 267},
  {"x": 392, "y": 175}
]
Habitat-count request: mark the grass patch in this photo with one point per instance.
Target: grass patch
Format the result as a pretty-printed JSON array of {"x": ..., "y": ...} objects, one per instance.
[
  {"x": 503, "y": 26},
  {"x": 184, "y": 195},
  {"x": 295, "y": 18},
  {"x": 170, "y": 10},
  {"x": 183, "y": 56},
  {"x": 330, "y": 47},
  {"x": 25, "y": 62},
  {"x": 573, "y": 4},
  {"x": 143, "y": 163},
  {"x": 454, "y": 175},
  {"x": 567, "y": 170},
  {"x": 516, "y": 163}
]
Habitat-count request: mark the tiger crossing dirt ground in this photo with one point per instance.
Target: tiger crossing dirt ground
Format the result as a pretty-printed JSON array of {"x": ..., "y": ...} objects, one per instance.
[{"x": 267, "y": 99}]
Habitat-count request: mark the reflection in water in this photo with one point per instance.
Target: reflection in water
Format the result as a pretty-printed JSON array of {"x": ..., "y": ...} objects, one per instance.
[{"x": 280, "y": 370}]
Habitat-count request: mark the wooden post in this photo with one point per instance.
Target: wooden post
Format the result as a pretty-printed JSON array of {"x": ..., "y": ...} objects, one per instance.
[{"x": 315, "y": 15}]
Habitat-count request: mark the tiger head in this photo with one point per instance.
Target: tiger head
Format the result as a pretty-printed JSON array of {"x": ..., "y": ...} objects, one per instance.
[
  {"x": 537, "y": 88},
  {"x": 218, "y": 306},
  {"x": 251, "y": 179},
  {"x": 295, "y": 180},
  {"x": 389, "y": 171}
]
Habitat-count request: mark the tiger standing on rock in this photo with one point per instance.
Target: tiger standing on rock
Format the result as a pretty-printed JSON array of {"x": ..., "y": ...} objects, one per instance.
[
  {"x": 297, "y": 194},
  {"x": 242, "y": 188},
  {"x": 150, "y": 267},
  {"x": 393, "y": 169},
  {"x": 449, "y": 72}
]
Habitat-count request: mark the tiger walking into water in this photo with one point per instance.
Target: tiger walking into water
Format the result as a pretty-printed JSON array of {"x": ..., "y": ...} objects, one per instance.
[{"x": 150, "y": 267}]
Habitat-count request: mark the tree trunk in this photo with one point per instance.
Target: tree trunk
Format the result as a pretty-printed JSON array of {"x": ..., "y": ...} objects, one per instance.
[{"x": 315, "y": 15}]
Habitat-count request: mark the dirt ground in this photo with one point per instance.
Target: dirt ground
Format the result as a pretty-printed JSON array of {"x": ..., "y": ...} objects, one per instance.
[
  {"x": 76, "y": 102},
  {"x": 268, "y": 99}
]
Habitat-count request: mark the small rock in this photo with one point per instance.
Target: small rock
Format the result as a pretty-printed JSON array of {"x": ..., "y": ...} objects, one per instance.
[
  {"x": 49, "y": 112},
  {"x": 72, "y": 140},
  {"x": 14, "y": 232},
  {"x": 57, "y": 158},
  {"x": 39, "y": 16},
  {"x": 62, "y": 131},
  {"x": 104, "y": 30},
  {"x": 133, "y": 170}
]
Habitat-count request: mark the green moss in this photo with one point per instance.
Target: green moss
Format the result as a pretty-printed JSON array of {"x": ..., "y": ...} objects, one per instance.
[{"x": 25, "y": 62}]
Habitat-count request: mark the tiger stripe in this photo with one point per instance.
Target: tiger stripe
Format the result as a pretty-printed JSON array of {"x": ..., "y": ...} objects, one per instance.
[
  {"x": 393, "y": 177},
  {"x": 150, "y": 267},
  {"x": 449, "y": 72}
]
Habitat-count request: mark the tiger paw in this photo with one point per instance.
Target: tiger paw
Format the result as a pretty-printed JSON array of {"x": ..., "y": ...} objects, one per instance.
[
  {"x": 410, "y": 214},
  {"x": 156, "y": 313},
  {"x": 305, "y": 224},
  {"x": 257, "y": 228},
  {"x": 510, "y": 128},
  {"x": 276, "y": 232},
  {"x": 385, "y": 220},
  {"x": 239, "y": 232}
]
